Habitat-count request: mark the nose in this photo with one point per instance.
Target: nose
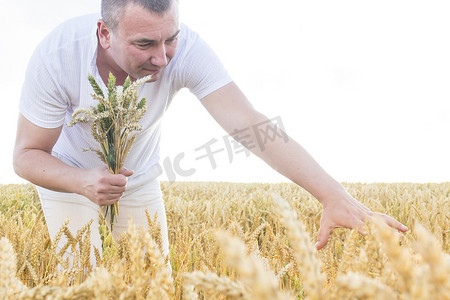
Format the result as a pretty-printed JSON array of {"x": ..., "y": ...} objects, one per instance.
[{"x": 159, "y": 56}]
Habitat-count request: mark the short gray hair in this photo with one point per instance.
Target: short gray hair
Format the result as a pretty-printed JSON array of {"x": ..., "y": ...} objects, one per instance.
[{"x": 112, "y": 10}]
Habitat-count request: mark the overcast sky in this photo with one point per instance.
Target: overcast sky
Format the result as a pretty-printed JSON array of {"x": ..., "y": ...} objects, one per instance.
[{"x": 362, "y": 85}]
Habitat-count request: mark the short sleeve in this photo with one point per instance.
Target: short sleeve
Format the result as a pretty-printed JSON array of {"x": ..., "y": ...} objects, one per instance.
[
  {"x": 41, "y": 101},
  {"x": 203, "y": 71}
]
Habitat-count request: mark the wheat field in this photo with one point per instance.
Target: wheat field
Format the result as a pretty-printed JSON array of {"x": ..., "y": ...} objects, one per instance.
[{"x": 235, "y": 241}]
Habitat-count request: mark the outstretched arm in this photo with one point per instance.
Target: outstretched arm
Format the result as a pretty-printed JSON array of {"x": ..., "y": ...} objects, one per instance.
[{"x": 231, "y": 109}]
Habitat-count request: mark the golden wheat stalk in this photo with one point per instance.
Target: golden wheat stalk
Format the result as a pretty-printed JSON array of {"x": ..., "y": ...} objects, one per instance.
[
  {"x": 9, "y": 284},
  {"x": 188, "y": 291},
  {"x": 304, "y": 250},
  {"x": 162, "y": 284},
  {"x": 357, "y": 286},
  {"x": 137, "y": 275},
  {"x": 215, "y": 284},
  {"x": 261, "y": 283},
  {"x": 438, "y": 275},
  {"x": 400, "y": 259},
  {"x": 349, "y": 253},
  {"x": 98, "y": 286}
]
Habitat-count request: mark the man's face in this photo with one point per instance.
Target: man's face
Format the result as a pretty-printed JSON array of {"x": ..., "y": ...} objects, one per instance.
[{"x": 143, "y": 42}]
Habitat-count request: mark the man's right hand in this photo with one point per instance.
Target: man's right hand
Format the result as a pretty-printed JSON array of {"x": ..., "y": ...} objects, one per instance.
[
  {"x": 103, "y": 187},
  {"x": 33, "y": 161}
]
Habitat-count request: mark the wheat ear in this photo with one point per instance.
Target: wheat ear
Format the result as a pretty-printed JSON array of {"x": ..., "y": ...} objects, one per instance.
[
  {"x": 438, "y": 276},
  {"x": 357, "y": 286},
  {"x": 262, "y": 283},
  {"x": 304, "y": 251},
  {"x": 9, "y": 284},
  {"x": 211, "y": 282}
]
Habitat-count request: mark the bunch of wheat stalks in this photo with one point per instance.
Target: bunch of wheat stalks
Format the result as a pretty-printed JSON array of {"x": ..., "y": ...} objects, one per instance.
[
  {"x": 113, "y": 123},
  {"x": 234, "y": 241}
]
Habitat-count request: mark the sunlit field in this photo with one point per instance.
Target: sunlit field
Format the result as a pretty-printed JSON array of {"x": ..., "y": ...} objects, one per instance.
[{"x": 235, "y": 241}]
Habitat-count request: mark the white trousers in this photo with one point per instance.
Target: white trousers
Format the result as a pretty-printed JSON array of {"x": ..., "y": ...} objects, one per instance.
[{"x": 80, "y": 210}]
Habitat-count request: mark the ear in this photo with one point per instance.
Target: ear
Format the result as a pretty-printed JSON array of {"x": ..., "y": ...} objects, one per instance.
[{"x": 104, "y": 34}]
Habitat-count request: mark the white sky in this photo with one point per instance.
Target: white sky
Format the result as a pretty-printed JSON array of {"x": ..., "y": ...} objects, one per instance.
[{"x": 362, "y": 85}]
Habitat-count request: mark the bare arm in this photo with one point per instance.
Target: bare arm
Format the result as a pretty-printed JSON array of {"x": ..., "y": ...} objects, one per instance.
[
  {"x": 231, "y": 109},
  {"x": 33, "y": 161}
]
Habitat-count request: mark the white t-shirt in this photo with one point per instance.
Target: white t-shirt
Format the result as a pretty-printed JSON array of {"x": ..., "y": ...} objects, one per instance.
[{"x": 56, "y": 85}]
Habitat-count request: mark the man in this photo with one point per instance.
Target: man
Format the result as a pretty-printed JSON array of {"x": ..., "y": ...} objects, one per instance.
[{"x": 138, "y": 38}]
